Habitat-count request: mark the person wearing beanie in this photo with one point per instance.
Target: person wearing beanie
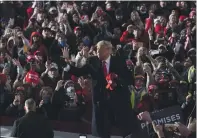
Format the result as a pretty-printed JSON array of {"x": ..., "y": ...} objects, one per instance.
[
  {"x": 37, "y": 45},
  {"x": 32, "y": 78},
  {"x": 78, "y": 33},
  {"x": 182, "y": 18},
  {"x": 137, "y": 92},
  {"x": 67, "y": 53},
  {"x": 68, "y": 100},
  {"x": 51, "y": 75}
]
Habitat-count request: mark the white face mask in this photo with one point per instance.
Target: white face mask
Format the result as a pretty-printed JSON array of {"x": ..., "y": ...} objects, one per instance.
[
  {"x": 119, "y": 17},
  {"x": 70, "y": 91},
  {"x": 143, "y": 10}
]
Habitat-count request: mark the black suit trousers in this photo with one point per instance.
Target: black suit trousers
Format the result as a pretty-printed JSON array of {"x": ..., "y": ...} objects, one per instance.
[{"x": 114, "y": 112}]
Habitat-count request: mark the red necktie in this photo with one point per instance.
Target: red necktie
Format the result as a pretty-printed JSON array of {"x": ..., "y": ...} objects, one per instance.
[{"x": 104, "y": 68}]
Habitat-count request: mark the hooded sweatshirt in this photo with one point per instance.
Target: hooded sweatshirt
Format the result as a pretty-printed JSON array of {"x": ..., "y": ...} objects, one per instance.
[{"x": 42, "y": 49}]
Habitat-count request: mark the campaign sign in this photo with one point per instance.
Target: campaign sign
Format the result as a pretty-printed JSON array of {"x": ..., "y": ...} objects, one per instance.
[{"x": 164, "y": 116}]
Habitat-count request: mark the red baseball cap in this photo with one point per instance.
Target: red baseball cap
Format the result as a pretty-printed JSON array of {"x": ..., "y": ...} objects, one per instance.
[{"x": 32, "y": 77}]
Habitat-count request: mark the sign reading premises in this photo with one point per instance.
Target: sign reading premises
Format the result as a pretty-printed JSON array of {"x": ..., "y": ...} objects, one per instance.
[{"x": 165, "y": 116}]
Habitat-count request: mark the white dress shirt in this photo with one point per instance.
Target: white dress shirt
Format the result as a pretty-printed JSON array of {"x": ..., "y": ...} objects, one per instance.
[{"x": 107, "y": 63}]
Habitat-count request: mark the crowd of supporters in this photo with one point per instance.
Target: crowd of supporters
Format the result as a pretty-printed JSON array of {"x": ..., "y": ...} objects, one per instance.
[{"x": 157, "y": 40}]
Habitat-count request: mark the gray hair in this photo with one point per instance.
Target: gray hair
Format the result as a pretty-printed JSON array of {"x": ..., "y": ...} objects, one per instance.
[{"x": 104, "y": 43}]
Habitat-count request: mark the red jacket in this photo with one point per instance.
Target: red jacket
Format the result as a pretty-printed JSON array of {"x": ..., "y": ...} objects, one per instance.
[
  {"x": 158, "y": 28},
  {"x": 124, "y": 38},
  {"x": 149, "y": 24},
  {"x": 29, "y": 11}
]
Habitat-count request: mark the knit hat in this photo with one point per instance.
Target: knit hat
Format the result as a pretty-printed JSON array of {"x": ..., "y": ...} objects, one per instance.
[
  {"x": 139, "y": 77},
  {"x": 29, "y": 12},
  {"x": 67, "y": 83},
  {"x": 191, "y": 51},
  {"x": 130, "y": 27},
  {"x": 20, "y": 90},
  {"x": 84, "y": 19},
  {"x": 99, "y": 11},
  {"x": 109, "y": 6},
  {"x": 32, "y": 77},
  {"x": 52, "y": 9},
  {"x": 37, "y": 53},
  {"x": 182, "y": 18},
  {"x": 54, "y": 66},
  {"x": 34, "y": 34},
  {"x": 84, "y": 4},
  {"x": 165, "y": 77},
  {"x": 74, "y": 78},
  {"x": 156, "y": 21},
  {"x": 162, "y": 46},
  {"x": 76, "y": 28}
]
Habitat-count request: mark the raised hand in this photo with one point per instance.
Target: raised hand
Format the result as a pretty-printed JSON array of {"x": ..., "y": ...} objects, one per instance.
[
  {"x": 65, "y": 53},
  {"x": 158, "y": 129},
  {"x": 169, "y": 65},
  {"x": 41, "y": 103},
  {"x": 145, "y": 116},
  {"x": 59, "y": 85},
  {"x": 85, "y": 51},
  {"x": 146, "y": 68},
  {"x": 192, "y": 124},
  {"x": 47, "y": 66},
  {"x": 183, "y": 130},
  {"x": 92, "y": 51},
  {"x": 81, "y": 81},
  {"x": 73, "y": 58},
  {"x": 36, "y": 10},
  {"x": 16, "y": 62}
]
